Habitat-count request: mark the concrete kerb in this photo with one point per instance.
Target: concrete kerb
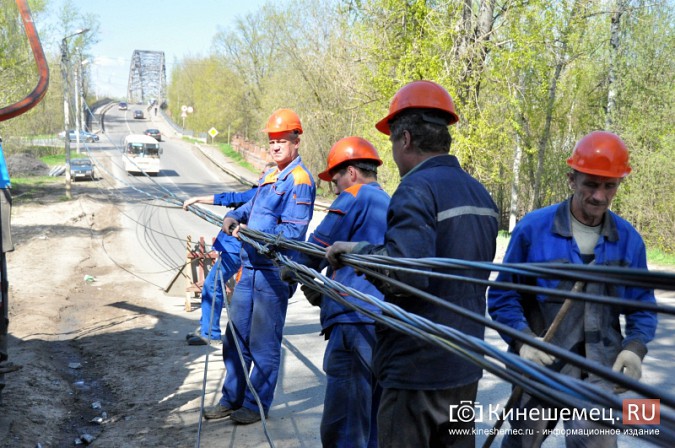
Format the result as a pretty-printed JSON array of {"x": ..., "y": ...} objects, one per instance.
[{"x": 244, "y": 176}]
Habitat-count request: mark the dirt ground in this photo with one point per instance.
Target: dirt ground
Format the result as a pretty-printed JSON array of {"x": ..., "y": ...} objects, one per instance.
[{"x": 95, "y": 360}]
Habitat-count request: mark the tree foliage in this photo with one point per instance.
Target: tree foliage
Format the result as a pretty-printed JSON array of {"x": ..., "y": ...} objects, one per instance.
[
  {"x": 529, "y": 79},
  {"x": 18, "y": 72}
]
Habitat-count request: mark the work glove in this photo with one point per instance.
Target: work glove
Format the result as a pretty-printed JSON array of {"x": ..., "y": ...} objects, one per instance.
[
  {"x": 535, "y": 355},
  {"x": 313, "y": 296},
  {"x": 287, "y": 274},
  {"x": 629, "y": 364}
]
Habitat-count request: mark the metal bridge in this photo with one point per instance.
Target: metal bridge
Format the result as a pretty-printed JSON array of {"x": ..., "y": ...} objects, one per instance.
[{"x": 147, "y": 77}]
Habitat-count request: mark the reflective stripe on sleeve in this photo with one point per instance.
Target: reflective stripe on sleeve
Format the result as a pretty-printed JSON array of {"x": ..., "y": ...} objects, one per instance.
[{"x": 466, "y": 210}]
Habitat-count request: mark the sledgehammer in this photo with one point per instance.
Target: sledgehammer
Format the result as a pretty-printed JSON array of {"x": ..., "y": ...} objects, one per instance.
[{"x": 518, "y": 391}]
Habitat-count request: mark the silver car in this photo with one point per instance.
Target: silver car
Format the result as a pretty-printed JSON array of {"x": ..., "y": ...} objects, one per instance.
[{"x": 84, "y": 136}]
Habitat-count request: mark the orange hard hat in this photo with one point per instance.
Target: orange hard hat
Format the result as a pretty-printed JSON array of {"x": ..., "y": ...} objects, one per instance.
[
  {"x": 349, "y": 149},
  {"x": 283, "y": 120},
  {"x": 419, "y": 95},
  {"x": 600, "y": 153}
]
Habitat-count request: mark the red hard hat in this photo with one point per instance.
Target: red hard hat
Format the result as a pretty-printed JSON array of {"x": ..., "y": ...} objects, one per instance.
[
  {"x": 600, "y": 153},
  {"x": 346, "y": 149},
  {"x": 283, "y": 120},
  {"x": 419, "y": 95}
]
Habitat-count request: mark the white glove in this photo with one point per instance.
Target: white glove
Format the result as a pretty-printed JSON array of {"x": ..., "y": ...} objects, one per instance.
[
  {"x": 535, "y": 355},
  {"x": 629, "y": 364}
]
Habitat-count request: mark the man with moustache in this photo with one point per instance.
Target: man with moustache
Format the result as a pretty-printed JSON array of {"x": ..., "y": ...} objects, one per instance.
[{"x": 579, "y": 230}]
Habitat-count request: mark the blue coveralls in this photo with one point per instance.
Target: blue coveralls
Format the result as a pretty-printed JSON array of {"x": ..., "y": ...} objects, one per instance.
[
  {"x": 438, "y": 210},
  {"x": 592, "y": 330},
  {"x": 283, "y": 204},
  {"x": 352, "y": 396},
  {"x": 229, "y": 248}
]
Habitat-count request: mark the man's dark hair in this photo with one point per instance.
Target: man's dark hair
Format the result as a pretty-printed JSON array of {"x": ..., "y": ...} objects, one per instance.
[
  {"x": 428, "y": 128},
  {"x": 366, "y": 167}
]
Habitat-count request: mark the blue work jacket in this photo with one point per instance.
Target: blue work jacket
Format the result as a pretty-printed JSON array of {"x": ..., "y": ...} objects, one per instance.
[
  {"x": 545, "y": 235},
  {"x": 283, "y": 204},
  {"x": 225, "y": 242},
  {"x": 359, "y": 213},
  {"x": 438, "y": 210}
]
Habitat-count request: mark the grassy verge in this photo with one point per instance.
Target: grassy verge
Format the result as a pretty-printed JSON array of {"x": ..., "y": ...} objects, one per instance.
[
  {"x": 30, "y": 188},
  {"x": 229, "y": 152},
  {"x": 27, "y": 189},
  {"x": 656, "y": 256},
  {"x": 54, "y": 159}
]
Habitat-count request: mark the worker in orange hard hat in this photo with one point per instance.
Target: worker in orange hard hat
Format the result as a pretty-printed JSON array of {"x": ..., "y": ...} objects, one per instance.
[
  {"x": 438, "y": 210},
  {"x": 283, "y": 204},
  {"x": 579, "y": 230},
  {"x": 358, "y": 213}
]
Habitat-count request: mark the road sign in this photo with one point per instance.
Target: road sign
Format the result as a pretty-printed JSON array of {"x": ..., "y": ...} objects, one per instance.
[{"x": 213, "y": 132}]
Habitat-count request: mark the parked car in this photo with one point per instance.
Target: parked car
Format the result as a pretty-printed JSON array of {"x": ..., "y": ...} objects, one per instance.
[
  {"x": 122, "y": 106},
  {"x": 84, "y": 136},
  {"x": 82, "y": 169},
  {"x": 154, "y": 133},
  {"x": 138, "y": 114}
]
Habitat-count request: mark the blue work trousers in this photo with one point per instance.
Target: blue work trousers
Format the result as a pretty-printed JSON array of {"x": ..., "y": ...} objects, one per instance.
[
  {"x": 352, "y": 395},
  {"x": 213, "y": 294},
  {"x": 257, "y": 313}
]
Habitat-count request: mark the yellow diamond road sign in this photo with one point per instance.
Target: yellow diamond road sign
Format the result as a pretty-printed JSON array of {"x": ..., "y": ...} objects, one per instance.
[{"x": 213, "y": 132}]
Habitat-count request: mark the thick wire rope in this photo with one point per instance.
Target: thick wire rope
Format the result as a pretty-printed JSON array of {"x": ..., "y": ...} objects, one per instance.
[
  {"x": 361, "y": 260},
  {"x": 501, "y": 328},
  {"x": 558, "y": 352},
  {"x": 358, "y": 262},
  {"x": 278, "y": 241},
  {"x": 575, "y": 393}
]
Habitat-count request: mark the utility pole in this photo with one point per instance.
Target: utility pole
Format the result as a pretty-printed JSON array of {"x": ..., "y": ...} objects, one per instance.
[
  {"x": 77, "y": 108},
  {"x": 66, "y": 114}
]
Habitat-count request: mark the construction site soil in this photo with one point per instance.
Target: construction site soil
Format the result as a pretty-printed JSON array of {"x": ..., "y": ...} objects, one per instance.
[{"x": 100, "y": 360}]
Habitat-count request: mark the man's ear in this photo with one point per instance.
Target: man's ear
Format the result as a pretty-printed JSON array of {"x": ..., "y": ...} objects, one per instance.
[
  {"x": 407, "y": 139},
  {"x": 571, "y": 181},
  {"x": 353, "y": 172}
]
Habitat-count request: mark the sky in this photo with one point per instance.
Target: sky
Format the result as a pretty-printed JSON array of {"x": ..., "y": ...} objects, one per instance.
[{"x": 179, "y": 28}]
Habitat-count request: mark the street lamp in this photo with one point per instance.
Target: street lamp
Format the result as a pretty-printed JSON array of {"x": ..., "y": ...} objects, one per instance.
[{"x": 66, "y": 119}]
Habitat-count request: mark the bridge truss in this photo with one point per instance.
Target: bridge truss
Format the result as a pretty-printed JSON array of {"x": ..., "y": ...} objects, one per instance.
[{"x": 147, "y": 77}]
